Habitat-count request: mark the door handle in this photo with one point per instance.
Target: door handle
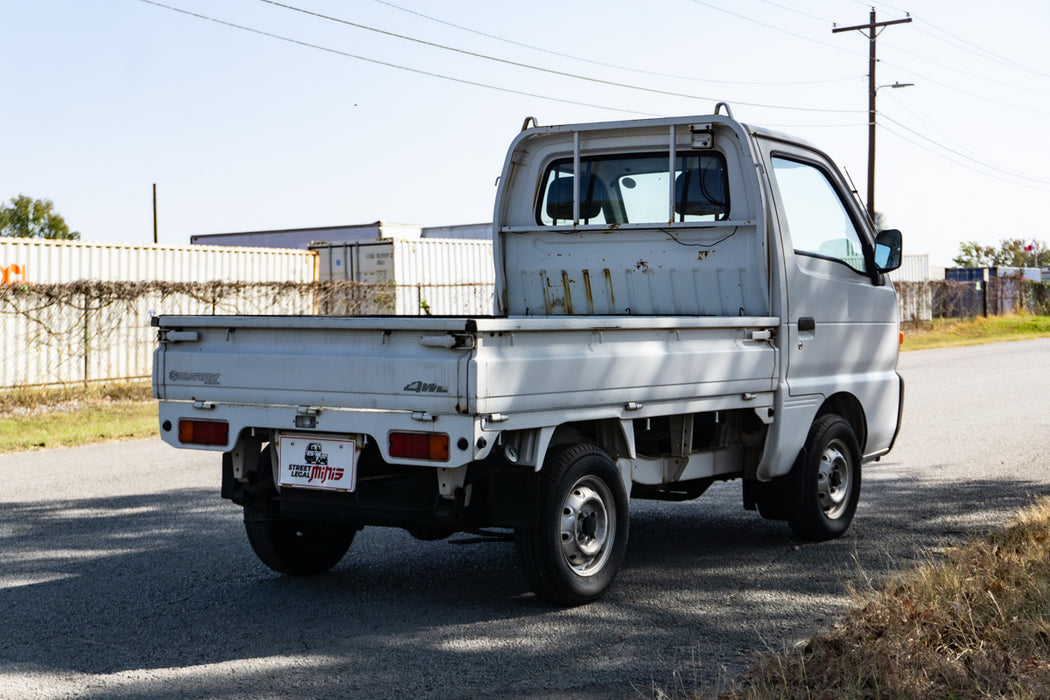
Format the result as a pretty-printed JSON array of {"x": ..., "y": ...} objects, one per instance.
[{"x": 806, "y": 323}]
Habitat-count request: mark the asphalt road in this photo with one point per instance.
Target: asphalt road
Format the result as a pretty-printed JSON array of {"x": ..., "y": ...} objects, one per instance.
[{"x": 122, "y": 573}]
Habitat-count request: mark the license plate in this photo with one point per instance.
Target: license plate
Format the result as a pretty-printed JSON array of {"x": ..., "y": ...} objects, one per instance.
[{"x": 317, "y": 463}]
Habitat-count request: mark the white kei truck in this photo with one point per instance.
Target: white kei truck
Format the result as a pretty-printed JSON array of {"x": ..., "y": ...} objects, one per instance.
[{"x": 678, "y": 301}]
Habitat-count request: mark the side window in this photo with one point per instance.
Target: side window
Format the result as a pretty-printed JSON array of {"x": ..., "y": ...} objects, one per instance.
[{"x": 817, "y": 220}]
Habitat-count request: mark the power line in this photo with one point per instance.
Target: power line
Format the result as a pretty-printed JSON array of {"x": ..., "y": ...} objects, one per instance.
[
  {"x": 604, "y": 64},
  {"x": 967, "y": 164},
  {"x": 967, "y": 73},
  {"x": 965, "y": 155},
  {"x": 969, "y": 93},
  {"x": 550, "y": 71},
  {"x": 387, "y": 64},
  {"x": 776, "y": 28},
  {"x": 987, "y": 54},
  {"x": 796, "y": 11}
]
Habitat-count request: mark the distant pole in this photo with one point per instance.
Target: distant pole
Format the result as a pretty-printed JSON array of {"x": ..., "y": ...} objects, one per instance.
[
  {"x": 154, "y": 213},
  {"x": 871, "y": 26}
]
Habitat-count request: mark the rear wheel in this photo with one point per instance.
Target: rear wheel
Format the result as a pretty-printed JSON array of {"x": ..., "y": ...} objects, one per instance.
[
  {"x": 831, "y": 480},
  {"x": 574, "y": 553},
  {"x": 297, "y": 548}
]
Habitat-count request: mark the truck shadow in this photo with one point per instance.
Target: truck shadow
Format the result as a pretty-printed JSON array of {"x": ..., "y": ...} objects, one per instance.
[{"x": 166, "y": 583}]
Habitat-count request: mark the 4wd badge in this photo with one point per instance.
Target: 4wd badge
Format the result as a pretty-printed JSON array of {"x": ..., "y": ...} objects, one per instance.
[{"x": 421, "y": 387}]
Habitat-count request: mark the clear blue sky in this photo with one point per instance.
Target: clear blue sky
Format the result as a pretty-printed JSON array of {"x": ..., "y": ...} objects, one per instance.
[{"x": 245, "y": 131}]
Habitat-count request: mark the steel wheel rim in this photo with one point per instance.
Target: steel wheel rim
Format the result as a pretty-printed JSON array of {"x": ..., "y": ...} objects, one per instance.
[
  {"x": 587, "y": 526},
  {"x": 834, "y": 479}
]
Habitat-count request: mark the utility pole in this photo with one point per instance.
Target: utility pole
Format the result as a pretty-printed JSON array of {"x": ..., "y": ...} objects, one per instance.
[
  {"x": 872, "y": 26},
  {"x": 154, "y": 213}
]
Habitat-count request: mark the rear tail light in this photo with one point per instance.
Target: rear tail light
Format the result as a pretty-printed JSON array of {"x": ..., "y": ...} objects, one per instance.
[
  {"x": 429, "y": 446},
  {"x": 204, "y": 432}
]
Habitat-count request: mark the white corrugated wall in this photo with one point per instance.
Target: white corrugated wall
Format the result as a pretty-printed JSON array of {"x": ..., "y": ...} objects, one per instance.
[
  {"x": 444, "y": 277},
  {"x": 53, "y": 262},
  {"x": 43, "y": 341},
  {"x": 914, "y": 296},
  {"x": 914, "y": 268}
]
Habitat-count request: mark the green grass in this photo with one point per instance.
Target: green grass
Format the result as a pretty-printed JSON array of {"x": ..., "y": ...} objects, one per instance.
[
  {"x": 35, "y": 418},
  {"x": 944, "y": 333}
]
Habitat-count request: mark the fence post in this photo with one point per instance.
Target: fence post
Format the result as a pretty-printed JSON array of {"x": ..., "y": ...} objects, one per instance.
[
  {"x": 984, "y": 295},
  {"x": 87, "y": 333}
]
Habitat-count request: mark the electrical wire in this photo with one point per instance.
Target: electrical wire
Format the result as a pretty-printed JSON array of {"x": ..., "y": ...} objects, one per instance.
[
  {"x": 642, "y": 71},
  {"x": 953, "y": 151},
  {"x": 387, "y": 64},
  {"x": 967, "y": 164},
  {"x": 984, "y": 53},
  {"x": 969, "y": 74},
  {"x": 836, "y": 47},
  {"x": 550, "y": 71},
  {"x": 796, "y": 11}
]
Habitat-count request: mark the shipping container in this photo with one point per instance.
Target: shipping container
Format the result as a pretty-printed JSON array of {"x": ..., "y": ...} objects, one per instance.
[
  {"x": 914, "y": 268},
  {"x": 969, "y": 274},
  {"x": 304, "y": 237},
  {"x": 429, "y": 276},
  {"x": 481, "y": 232},
  {"x": 54, "y": 262}
]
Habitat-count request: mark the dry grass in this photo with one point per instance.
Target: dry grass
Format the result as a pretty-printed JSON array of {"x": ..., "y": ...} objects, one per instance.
[{"x": 974, "y": 623}]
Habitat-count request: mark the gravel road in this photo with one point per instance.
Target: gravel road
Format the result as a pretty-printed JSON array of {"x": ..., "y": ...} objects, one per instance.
[{"x": 122, "y": 573}]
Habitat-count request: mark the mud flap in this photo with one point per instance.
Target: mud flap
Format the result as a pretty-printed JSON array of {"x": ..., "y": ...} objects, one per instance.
[{"x": 780, "y": 498}]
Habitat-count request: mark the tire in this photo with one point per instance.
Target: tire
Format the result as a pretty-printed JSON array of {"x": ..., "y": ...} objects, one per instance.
[
  {"x": 574, "y": 553},
  {"x": 291, "y": 547},
  {"x": 831, "y": 480},
  {"x": 296, "y": 548}
]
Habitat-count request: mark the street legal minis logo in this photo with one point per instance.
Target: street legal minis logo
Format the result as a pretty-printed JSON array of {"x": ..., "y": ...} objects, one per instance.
[
  {"x": 205, "y": 377},
  {"x": 316, "y": 466},
  {"x": 319, "y": 472}
]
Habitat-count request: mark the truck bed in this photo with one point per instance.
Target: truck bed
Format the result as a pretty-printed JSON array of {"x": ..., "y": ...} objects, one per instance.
[{"x": 434, "y": 370}]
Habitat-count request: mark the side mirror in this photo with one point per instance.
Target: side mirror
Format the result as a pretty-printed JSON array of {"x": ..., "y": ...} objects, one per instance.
[{"x": 888, "y": 250}]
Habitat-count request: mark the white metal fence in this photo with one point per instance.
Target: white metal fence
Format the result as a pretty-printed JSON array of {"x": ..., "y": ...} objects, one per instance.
[
  {"x": 100, "y": 331},
  {"x": 72, "y": 311},
  {"x": 912, "y": 282}
]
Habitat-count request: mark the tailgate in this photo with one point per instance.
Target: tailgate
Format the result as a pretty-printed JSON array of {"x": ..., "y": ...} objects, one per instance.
[{"x": 411, "y": 364}]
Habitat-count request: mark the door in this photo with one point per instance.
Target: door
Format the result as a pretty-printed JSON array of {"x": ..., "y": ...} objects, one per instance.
[{"x": 842, "y": 313}]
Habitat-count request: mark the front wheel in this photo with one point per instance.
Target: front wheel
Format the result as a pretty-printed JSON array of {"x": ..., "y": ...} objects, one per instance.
[
  {"x": 831, "y": 480},
  {"x": 574, "y": 553}
]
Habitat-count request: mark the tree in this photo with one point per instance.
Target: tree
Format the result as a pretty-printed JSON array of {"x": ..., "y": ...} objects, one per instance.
[
  {"x": 1012, "y": 252},
  {"x": 34, "y": 218},
  {"x": 973, "y": 254}
]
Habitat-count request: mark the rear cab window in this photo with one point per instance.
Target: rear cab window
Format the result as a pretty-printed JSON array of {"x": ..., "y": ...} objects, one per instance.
[{"x": 636, "y": 189}]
